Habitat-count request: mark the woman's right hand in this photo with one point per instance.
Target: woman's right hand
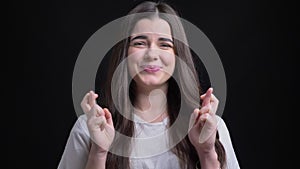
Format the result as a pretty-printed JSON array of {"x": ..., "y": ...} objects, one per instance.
[{"x": 99, "y": 122}]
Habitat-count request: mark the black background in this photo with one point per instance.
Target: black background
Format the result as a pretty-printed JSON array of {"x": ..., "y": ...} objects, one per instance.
[{"x": 253, "y": 39}]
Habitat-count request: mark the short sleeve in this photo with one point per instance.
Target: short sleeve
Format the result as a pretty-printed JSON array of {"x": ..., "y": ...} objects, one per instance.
[
  {"x": 77, "y": 147},
  {"x": 232, "y": 162}
]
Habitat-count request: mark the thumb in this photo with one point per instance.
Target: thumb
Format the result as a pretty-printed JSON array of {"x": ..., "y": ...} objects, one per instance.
[
  {"x": 193, "y": 118},
  {"x": 209, "y": 128}
]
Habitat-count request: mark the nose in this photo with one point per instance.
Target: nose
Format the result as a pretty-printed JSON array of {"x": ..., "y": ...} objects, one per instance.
[{"x": 152, "y": 53}]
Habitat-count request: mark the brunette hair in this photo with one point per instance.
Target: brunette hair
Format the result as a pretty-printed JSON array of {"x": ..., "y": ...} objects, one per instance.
[{"x": 183, "y": 85}]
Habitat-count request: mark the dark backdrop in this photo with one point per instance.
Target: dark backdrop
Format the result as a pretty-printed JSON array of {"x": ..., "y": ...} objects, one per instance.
[{"x": 251, "y": 37}]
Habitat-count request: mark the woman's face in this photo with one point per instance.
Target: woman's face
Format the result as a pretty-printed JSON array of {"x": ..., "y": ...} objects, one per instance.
[{"x": 151, "y": 57}]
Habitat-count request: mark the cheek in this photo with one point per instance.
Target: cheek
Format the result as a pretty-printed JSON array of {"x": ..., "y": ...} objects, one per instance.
[
  {"x": 135, "y": 54},
  {"x": 133, "y": 58},
  {"x": 130, "y": 51},
  {"x": 133, "y": 61},
  {"x": 169, "y": 60},
  {"x": 131, "y": 65},
  {"x": 169, "y": 63}
]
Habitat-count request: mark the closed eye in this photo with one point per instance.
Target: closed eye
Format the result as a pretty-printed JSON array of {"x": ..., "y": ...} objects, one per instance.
[
  {"x": 166, "y": 46},
  {"x": 140, "y": 44}
]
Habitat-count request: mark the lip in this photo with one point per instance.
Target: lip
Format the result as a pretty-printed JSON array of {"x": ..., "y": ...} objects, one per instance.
[{"x": 151, "y": 68}]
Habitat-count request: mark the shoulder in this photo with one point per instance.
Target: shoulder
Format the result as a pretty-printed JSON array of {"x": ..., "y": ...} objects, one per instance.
[
  {"x": 225, "y": 139},
  {"x": 81, "y": 121},
  {"x": 221, "y": 125},
  {"x": 78, "y": 145},
  {"x": 80, "y": 126},
  {"x": 222, "y": 129},
  {"x": 79, "y": 137}
]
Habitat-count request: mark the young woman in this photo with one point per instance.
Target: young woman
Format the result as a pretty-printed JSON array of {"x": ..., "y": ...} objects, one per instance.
[{"x": 150, "y": 113}]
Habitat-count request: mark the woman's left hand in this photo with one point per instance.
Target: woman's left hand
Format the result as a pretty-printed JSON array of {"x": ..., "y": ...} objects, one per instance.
[{"x": 203, "y": 123}]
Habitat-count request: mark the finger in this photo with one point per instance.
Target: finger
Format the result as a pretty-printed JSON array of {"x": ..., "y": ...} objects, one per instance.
[
  {"x": 203, "y": 95},
  {"x": 214, "y": 99},
  {"x": 203, "y": 114},
  {"x": 102, "y": 122},
  {"x": 99, "y": 122},
  {"x": 92, "y": 112},
  {"x": 92, "y": 98},
  {"x": 208, "y": 128},
  {"x": 214, "y": 104},
  {"x": 193, "y": 118},
  {"x": 205, "y": 109},
  {"x": 101, "y": 115},
  {"x": 204, "y": 117},
  {"x": 108, "y": 116},
  {"x": 100, "y": 111},
  {"x": 84, "y": 103},
  {"x": 208, "y": 119},
  {"x": 207, "y": 97}
]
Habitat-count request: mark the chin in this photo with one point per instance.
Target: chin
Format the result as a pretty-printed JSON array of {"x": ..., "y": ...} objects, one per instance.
[{"x": 151, "y": 81}]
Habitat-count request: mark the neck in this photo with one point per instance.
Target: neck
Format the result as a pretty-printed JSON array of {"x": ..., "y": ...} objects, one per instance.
[{"x": 151, "y": 102}]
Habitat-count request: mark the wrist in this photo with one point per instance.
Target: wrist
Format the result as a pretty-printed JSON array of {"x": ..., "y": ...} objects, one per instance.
[
  {"x": 96, "y": 158},
  {"x": 97, "y": 152},
  {"x": 206, "y": 151},
  {"x": 208, "y": 159}
]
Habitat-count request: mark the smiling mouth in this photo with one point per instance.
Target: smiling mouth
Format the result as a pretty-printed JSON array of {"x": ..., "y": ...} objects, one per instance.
[{"x": 151, "y": 68}]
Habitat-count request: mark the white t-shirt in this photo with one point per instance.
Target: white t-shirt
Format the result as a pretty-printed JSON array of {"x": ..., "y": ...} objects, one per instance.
[{"x": 78, "y": 144}]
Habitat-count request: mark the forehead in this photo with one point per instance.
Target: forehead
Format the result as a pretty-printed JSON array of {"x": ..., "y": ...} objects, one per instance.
[{"x": 152, "y": 26}]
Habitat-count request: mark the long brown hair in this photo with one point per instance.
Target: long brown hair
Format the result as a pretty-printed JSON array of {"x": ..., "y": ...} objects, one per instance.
[{"x": 183, "y": 85}]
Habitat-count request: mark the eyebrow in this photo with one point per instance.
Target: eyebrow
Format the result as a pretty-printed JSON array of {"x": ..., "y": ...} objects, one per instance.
[
  {"x": 165, "y": 39},
  {"x": 145, "y": 37}
]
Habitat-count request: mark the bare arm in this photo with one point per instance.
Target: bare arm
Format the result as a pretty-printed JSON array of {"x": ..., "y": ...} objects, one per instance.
[
  {"x": 96, "y": 159},
  {"x": 208, "y": 160},
  {"x": 203, "y": 129}
]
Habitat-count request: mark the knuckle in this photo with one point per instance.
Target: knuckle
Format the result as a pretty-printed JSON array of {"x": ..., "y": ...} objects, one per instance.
[{"x": 206, "y": 115}]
